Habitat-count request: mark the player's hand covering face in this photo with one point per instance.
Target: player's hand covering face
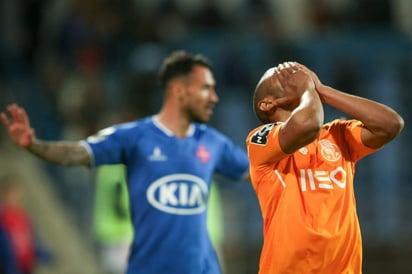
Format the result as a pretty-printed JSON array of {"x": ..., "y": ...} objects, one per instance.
[{"x": 294, "y": 82}]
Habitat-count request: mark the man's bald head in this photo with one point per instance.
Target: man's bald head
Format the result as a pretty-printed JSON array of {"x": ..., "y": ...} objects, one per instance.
[{"x": 268, "y": 85}]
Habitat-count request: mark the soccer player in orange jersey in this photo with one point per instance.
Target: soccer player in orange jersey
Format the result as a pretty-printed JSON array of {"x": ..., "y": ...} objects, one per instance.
[{"x": 302, "y": 170}]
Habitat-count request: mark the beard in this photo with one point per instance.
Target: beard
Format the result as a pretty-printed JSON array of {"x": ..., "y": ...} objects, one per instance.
[{"x": 194, "y": 115}]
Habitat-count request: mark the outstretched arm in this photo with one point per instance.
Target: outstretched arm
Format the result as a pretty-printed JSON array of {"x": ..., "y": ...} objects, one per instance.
[
  {"x": 22, "y": 135},
  {"x": 382, "y": 123}
]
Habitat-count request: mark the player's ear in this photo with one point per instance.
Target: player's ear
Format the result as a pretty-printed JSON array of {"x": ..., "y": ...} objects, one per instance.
[
  {"x": 181, "y": 89},
  {"x": 266, "y": 104},
  {"x": 176, "y": 89}
]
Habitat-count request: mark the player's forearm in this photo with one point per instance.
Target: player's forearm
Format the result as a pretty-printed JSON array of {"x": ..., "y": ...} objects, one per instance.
[
  {"x": 61, "y": 153},
  {"x": 377, "y": 117},
  {"x": 309, "y": 114},
  {"x": 304, "y": 124}
]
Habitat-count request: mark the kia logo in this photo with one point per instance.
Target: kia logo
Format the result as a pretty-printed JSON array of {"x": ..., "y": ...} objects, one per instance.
[{"x": 181, "y": 194}]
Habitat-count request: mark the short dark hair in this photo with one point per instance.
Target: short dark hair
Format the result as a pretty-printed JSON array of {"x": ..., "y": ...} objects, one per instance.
[{"x": 180, "y": 63}]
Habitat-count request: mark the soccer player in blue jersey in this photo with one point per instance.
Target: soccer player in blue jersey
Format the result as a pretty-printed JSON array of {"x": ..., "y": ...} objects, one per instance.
[{"x": 171, "y": 158}]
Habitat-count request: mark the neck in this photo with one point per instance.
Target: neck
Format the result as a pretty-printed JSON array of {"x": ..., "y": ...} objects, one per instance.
[{"x": 175, "y": 122}]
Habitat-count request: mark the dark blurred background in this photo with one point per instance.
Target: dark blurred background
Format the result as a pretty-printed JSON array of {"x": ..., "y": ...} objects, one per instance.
[{"x": 80, "y": 65}]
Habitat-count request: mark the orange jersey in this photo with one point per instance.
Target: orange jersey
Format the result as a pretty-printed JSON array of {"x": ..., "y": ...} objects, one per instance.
[{"x": 307, "y": 200}]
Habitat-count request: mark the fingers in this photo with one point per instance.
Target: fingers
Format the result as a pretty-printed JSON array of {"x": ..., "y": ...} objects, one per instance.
[
  {"x": 4, "y": 119},
  {"x": 23, "y": 117},
  {"x": 287, "y": 68},
  {"x": 301, "y": 66},
  {"x": 304, "y": 69},
  {"x": 284, "y": 71},
  {"x": 17, "y": 115},
  {"x": 280, "y": 101},
  {"x": 311, "y": 73}
]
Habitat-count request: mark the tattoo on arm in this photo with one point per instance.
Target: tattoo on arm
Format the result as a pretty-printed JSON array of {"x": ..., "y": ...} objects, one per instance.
[{"x": 63, "y": 153}]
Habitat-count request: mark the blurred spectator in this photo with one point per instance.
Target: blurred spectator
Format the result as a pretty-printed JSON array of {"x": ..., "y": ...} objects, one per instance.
[
  {"x": 8, "y": 264},
  {"x": 18, "y": 227},
  {"x": 17, "y": 224}
]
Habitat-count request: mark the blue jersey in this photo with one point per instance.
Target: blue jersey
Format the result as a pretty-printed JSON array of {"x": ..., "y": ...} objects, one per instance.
[{"x": 168, "y": 180}]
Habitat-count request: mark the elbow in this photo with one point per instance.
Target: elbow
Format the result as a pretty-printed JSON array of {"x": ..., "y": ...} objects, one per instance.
[
  {"x": 390, "y": 130},
  {"x": 399, "y": 125},
  {"x": 394, "y": 127}
]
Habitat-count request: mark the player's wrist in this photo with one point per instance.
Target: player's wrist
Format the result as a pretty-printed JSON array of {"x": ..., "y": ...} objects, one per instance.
[
  {"x": 30, "y": 143},
  {"x": 322, "y": 90}
]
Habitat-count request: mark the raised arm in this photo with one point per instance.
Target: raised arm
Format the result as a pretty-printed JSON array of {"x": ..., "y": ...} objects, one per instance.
[
  {"x": 301, "y": 124},
  {"x": 63, "y": 153},
  {"x": 382, "y": 123}
]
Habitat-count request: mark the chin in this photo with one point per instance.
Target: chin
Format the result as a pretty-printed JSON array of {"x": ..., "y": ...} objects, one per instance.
[{"x": 201, "y": 119}]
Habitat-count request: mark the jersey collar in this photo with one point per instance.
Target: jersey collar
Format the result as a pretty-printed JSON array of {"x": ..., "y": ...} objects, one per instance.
[{"x": 168, "y": 132}]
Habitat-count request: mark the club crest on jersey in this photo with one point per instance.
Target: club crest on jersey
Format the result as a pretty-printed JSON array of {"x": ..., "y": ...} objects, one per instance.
[
  {"x": 203, "y": 154},
  {"x": 260, "y": 137},
  {"x": 329, "y": 151},
  {"x": 180, "y": 194}
]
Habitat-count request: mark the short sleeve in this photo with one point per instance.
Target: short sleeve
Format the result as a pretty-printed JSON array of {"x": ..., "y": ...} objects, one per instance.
[
  {"x": 353, "y": 131},
  {"x": 233, "y": 162},
  {"x": 263, "y": 145},
  {"x": 106, "y": 146}
]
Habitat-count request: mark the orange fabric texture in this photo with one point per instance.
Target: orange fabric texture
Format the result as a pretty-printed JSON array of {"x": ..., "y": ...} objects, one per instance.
[{"x": 307, "y": 200}]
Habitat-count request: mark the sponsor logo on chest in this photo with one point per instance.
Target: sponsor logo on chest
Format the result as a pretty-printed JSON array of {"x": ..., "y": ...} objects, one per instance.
[
  {"x": 181, "y": 194},
  {"x": 320, "y": 178}
]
